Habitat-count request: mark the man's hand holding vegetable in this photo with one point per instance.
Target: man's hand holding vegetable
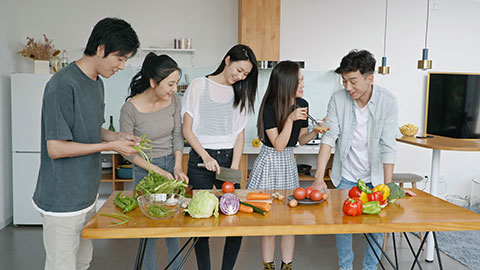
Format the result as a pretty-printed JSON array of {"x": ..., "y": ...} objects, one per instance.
[{"x": 112, "y": 141}]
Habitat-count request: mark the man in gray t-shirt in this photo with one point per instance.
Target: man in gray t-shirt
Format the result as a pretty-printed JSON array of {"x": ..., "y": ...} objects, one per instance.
[{"x": 72, "y": 138}]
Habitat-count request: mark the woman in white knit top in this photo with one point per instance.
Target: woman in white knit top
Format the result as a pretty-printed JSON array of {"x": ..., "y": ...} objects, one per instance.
[{"x": 214, "y": 113}]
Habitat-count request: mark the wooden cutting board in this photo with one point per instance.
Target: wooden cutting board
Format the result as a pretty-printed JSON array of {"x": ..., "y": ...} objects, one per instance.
[{"x": 242, "y": 195}]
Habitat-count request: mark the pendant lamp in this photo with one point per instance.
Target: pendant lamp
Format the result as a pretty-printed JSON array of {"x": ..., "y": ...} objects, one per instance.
[
  {"x": 384, "y": 69},
  {"x": 425, "y": 63}
]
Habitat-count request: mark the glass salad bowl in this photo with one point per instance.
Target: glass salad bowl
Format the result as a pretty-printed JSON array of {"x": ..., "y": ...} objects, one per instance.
[{"x": 160, "y": 205}]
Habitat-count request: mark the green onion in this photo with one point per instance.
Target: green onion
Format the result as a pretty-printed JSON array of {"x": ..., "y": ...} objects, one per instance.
[
  {"x": 144, "y": 144},
  {"x": 155, "y": 182},
  {"x": 122, "y": 217}
]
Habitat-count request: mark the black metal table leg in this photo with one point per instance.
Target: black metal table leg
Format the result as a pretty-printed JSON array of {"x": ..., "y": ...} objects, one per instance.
[
  {"x": 381, "y": 250},
  {"x": 186, "y": 255},
  {"x": 419, "y": 250},
  {"x": 395, "y": 250},
  {"x": 189, "y": 251},
  {"x": 140, "y": 254},
  {"x": 411, "y": 249},
  {"x": 415, "y": 254},
  {"x": 438, "y": 251},
  {"x": 179, "y": 252}
]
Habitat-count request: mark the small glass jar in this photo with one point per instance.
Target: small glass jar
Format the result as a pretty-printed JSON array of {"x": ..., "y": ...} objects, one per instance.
[{"x": 56, "y": 64}]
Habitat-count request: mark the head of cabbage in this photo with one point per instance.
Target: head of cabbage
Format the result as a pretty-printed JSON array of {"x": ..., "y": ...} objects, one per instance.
[{"x": 203, "y": 205}]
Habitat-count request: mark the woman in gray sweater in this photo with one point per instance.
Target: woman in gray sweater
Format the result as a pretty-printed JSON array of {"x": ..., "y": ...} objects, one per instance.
[{"x": 153, "y": 108}]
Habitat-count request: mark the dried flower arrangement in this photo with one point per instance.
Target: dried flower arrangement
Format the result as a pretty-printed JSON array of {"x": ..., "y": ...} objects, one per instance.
[{"x": 38, "y": 50}]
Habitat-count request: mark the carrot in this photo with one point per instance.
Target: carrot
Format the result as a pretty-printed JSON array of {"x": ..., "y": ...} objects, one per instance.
[
  {"x": 262, "y": 205},
  {"x": 245, "y": 209},
  {"x": 255, "y": 209},
  {"x": 258, "y": 196}
]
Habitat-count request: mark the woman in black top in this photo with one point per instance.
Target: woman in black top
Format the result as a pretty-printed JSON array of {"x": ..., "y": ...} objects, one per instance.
[{"x": 282, "y": 122}]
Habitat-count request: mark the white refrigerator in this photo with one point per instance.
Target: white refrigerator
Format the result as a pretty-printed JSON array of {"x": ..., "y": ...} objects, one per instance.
[{"x": 27, "y": 94}]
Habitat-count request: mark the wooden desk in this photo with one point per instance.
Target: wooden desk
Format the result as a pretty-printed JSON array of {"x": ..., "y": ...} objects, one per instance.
[
  {"x": 421, "y": 213},
  {"x": 438, "y": 143}
]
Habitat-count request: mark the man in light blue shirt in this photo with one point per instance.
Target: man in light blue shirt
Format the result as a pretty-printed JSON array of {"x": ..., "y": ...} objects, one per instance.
[{"x": 363, "y": 120}]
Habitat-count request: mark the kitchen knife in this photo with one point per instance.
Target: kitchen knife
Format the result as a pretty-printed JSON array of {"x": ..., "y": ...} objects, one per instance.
[{"x": 226, "y": 174}]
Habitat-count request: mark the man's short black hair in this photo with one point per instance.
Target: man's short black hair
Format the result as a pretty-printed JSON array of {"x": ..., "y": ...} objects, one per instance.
[
  {"x": 362, "y": 61},
  {"x": 116, "y": 35}
]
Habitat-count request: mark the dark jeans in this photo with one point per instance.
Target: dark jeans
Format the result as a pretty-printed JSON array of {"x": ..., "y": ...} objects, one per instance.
[{"x": 201, "y": 178}]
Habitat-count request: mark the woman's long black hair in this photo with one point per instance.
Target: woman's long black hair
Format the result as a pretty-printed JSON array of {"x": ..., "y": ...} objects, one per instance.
[
  {"x": 247, "y": 88},
  {"x": 282, "y": 87},
  {"x": 156, "y": 67}
]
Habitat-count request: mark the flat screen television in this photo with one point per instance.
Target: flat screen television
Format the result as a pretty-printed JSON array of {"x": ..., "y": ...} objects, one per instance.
[{"x": 453, "y": 105}]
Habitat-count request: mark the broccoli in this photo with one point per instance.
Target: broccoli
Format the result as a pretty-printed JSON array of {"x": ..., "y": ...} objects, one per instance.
[{"x": 396, "y": 192}]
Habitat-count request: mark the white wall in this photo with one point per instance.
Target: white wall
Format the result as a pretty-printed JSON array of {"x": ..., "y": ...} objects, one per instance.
[
  {"x": 322, "y": 32},
  {"x": 319, "y": 32},
  {"x": 211, "y": 24}
]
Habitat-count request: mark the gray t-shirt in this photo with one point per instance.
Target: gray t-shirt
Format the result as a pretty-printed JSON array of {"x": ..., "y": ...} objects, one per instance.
[
  {"x": 72, "y": 110},
  {"x": 163, "y": 127}
]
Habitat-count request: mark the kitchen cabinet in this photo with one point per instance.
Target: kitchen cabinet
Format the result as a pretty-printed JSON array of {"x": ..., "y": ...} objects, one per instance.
[
  {"x": 309, "y": 150},
  {"x": 326, "y": 177},
  {"x": 117, "y": 159},
  {"x": 259, "y": 27},
  {"x": 118, "y": 183}
]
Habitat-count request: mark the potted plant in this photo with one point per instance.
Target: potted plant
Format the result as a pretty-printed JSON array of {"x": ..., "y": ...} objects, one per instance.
[{"x": 40, "y": 52}]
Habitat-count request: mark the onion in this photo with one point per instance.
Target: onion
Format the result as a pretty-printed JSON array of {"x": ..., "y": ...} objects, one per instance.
[{"x": 229, "y": 204}]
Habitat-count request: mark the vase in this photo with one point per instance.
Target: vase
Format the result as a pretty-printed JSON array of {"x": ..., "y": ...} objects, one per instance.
[{"x": 41, "y": 67}]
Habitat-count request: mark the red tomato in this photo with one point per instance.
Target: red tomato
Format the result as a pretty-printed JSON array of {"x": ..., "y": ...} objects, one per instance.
[
  {"x": 316, "y": 195},
  {"x": 308, "y": 190},
  {"x": 228, "y": 187},
  {"x": 299, "y": 193}
]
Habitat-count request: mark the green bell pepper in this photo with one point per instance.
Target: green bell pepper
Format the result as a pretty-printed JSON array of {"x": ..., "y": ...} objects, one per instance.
[
  {"x": 363, "y": 187},
  {"x": 372, "y": 208},
  {"x": 126, "y": 203}
]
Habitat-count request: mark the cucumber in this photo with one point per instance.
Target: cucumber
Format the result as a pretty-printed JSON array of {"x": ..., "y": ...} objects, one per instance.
[{"x": 255, "y": 209}]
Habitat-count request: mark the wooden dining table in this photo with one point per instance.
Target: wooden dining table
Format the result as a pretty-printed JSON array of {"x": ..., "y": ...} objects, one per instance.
[
  {"x": 421, "y": 213},
  {"x": 437, "y": 144}
]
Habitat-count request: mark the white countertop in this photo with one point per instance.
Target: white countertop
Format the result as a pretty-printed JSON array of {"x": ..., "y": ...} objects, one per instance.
[
  {"x": 299, "y": 150},
  {"x": 250, "y": 150}
]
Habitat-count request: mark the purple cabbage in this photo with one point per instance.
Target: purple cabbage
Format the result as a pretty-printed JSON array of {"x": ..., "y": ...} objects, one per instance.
[{"x": 229, "y": 204}]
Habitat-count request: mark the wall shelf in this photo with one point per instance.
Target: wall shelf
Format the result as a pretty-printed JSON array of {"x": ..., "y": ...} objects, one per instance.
[
  {"x": 167, "y": 49},
  {"x": 170, "y": 50}
]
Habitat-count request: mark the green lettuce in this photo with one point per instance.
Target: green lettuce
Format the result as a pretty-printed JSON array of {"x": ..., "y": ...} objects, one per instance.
[{"x": 203, "y": 205}]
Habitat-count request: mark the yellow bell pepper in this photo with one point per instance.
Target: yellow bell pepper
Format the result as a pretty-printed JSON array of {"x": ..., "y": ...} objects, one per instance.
[
  {"x": 364, "y": 197},
  {"x": 384, "y": 189}
]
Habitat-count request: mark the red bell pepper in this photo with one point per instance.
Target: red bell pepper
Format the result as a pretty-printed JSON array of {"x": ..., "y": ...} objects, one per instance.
[
  {"x": 376, "y": 196},
  {"x": 352, "y": 207},
  {"x": 354, "y": 193}
]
